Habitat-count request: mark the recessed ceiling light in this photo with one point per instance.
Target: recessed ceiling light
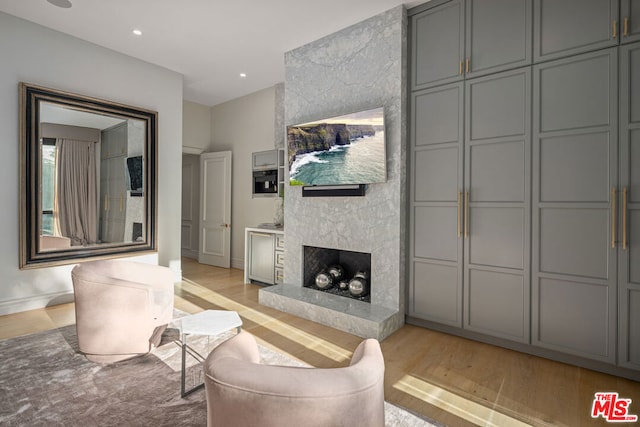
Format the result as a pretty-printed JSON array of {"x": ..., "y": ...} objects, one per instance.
[
  {"x": 243, "y": 75},
  {"x": 137, "y": 32},
  {"x": 61, "y": 3}
]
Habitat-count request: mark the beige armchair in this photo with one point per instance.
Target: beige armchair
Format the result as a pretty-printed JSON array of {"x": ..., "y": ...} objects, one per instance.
[
  {"x": 122, "y": 308},
  {"x": 243, "y": 392}
]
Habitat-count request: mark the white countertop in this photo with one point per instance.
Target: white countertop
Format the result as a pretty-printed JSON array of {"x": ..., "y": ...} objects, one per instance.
[{"x": 264, "y": 229}]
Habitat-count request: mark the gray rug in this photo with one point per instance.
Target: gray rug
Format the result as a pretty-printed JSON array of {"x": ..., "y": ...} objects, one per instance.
[{"x": 44, "y": 380}]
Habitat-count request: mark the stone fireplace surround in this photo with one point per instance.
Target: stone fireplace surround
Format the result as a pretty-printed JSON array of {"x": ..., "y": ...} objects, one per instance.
[{"x": 363, "y": 66}]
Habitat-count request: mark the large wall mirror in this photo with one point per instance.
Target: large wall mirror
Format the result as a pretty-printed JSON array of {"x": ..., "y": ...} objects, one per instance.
[{"x": 87, "y": 178}]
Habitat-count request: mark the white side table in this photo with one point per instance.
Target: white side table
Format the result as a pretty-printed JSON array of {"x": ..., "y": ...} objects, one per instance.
[{"x": 208, "y": 322}]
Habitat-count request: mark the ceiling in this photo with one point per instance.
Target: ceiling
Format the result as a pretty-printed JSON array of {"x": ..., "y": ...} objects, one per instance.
[{"x": 209, "y": 42}]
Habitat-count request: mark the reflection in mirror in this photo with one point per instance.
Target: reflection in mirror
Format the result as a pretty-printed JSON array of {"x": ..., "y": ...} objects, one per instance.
[{"x": 88, "y": 169}]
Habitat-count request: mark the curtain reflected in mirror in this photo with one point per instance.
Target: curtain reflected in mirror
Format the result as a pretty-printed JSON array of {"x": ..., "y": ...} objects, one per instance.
[{"x": 88, "y": 178}]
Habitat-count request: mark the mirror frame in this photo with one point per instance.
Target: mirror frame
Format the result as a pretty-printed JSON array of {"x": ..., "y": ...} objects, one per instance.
[{"x": 30, "y": 203}]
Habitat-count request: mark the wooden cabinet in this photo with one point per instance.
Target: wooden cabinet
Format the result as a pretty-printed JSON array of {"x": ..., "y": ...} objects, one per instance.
[
  {"x": 264, "y": 256},
  {"x": 570, "y": 27},
  {"x": 469, "y": 38}
]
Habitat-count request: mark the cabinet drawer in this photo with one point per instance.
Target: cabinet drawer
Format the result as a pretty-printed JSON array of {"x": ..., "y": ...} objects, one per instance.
[
  {"x": 280, "y": 241},
  {"x": 279, "y": 259},
  {"x": 279, "y": 276}
]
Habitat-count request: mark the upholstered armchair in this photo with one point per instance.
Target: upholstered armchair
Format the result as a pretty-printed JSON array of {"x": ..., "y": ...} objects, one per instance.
[
  {"x": 122, "y": 308},
  {"x": 243, "y": 392}
]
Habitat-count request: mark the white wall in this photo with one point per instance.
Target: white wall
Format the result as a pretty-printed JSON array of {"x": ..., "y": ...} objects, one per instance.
[
  {"x": 245, "y": 125},
  {"x": 196, "y": 129},
  {"x": 37, "y": 55}
]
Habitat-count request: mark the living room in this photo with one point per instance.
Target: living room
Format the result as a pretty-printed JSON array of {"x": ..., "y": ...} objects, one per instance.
[{"x": 53, "y": 59}]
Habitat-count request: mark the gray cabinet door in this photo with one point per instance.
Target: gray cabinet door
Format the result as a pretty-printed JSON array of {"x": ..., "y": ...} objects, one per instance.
[
  {"x": 497, "y": 183},
  {"x": 437, "y": 45},
  {"x": 568, "y": 27},
  {"x": 630, "y": 21},
  {"x": 436, "y": 182},
  {"x": 574, "y": 173},
  {"x": 629, "y": 235},
  {"x": 498, "y": 35}
]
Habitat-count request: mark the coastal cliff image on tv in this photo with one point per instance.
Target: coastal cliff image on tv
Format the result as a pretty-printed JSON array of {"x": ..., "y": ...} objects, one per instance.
[{"x": 340, "y": 150}]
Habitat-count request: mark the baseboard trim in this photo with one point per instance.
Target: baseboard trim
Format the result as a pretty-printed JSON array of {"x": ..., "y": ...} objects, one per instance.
[
  {"x": 237, "y": 263},
  {"x": 35, "y": 302}
]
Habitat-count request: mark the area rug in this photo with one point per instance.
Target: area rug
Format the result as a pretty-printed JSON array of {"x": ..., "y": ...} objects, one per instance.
[{"x": 44, "y": 380}]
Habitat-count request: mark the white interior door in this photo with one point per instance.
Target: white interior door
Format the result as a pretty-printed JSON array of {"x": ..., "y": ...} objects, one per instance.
[{"x": 215, "y": 209}]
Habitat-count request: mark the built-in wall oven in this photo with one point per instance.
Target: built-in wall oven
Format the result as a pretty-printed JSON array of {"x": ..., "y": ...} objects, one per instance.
[{"x": 265, "y": 173}]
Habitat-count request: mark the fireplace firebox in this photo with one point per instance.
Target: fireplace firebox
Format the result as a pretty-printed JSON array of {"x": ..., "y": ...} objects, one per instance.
[{"x": 339, "y": 272}]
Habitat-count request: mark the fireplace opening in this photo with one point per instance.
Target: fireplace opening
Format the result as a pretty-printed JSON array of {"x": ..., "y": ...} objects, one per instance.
[{"x": 338, "y": 272}]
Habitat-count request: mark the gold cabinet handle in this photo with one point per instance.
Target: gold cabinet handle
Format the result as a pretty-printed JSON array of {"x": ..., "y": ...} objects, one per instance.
[
  {"x": 460, "y": 69},
  {"x": 459, "y": 212},
  {"x": 106, "y": 203},
  {"x": 613, "y": 218},
  {"x": 625, "y": 30},
  {"x": 466, "y": 215},
  {"x": 467, "y": 66},
  {"x": 624, "y": 218},
  {"x": 121, "y": 202},
  {"x": 614, "y": 33}
]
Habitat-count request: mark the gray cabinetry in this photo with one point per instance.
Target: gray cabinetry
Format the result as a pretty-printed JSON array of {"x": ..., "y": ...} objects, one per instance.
[
  {"x": 470, "y": 38},
  {"x": 574, "y": 185},
  {"x": 525, "y": 180},
  {"x": 113, "y": 186},
  {"x": 438, "y": 45},
  {"x": 569, "y": 27},
  {"x": 498, "y": 35},
  {"x": 630, "y": 21},
  {"x": 470, "y": 195},
  {"x": 436, "y": 210},
  {"x": 497, "y": 218},
  {"x": 629, "y": 201}
]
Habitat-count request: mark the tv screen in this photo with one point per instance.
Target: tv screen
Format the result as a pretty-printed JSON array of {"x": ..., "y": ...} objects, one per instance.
[
  {"x": 135, "y": 174},
  {"x": 348, "y": 149}
]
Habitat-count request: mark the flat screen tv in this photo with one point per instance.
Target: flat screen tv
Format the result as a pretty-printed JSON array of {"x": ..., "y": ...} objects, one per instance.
[
  {"x": 342, "y": 150},
  {"x": 135, "y": 175}
]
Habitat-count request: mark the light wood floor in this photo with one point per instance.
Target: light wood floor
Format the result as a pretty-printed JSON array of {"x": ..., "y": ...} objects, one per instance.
[{"x": 454, "y": 381}]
